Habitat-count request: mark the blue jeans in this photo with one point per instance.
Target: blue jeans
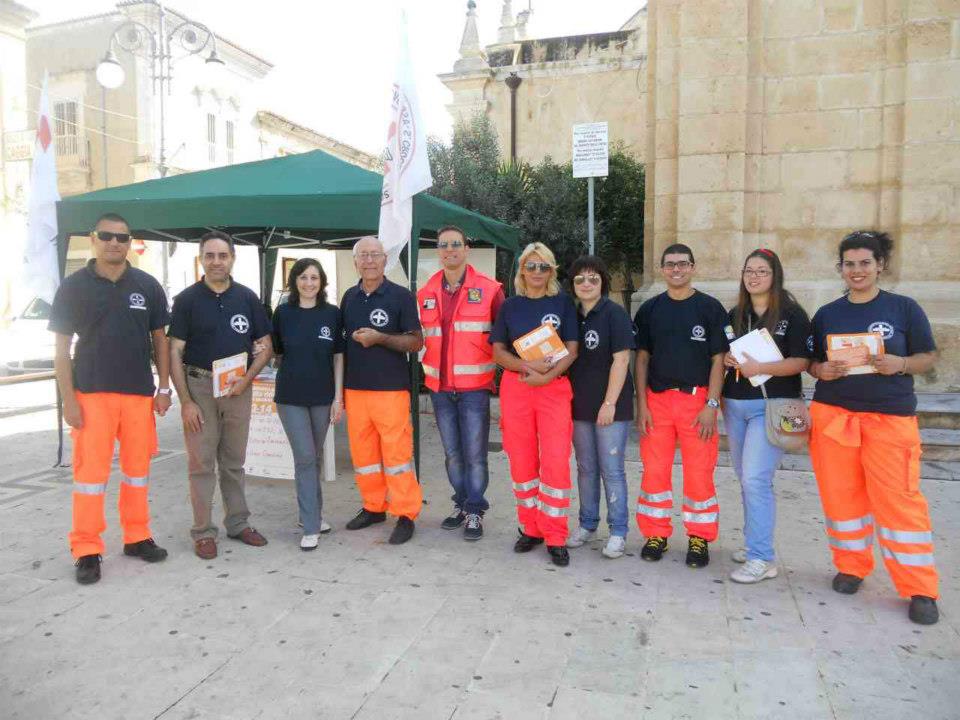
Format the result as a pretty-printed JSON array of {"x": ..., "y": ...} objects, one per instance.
[
  {"x": 306, "y": 429},
  {"x": 600, "y": 455},
  {"x": 755, "y": 461},
  {"x": 463, "y": 419}
]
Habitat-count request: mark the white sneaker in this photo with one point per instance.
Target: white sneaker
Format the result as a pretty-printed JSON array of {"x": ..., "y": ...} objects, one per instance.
[
  {"x": 739, "y": 556},
  {"x": 325, "y": 527},
  {"x": 753, "y": 571},
  {"x": 579, "y": 537},
  {"x": 614, "y": 547},
  {"x": 309, "y": 542}
]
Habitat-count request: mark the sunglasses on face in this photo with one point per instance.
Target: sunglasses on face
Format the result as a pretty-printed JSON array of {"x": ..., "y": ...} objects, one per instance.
[
  {"x": 538, "y": 267},
  {"x": 590, "y": 279},
  {"x": 455, "y": 244},
  {"x": 106, "y": 236}
]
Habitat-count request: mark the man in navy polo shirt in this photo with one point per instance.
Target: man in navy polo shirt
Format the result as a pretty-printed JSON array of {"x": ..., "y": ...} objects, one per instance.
[
  {"x": 381, "y": 326},
  {"x": 213, "y": 319}
]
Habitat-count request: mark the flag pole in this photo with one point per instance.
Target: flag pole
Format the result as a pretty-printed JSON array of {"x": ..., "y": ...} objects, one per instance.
[{"x": 413, "y": 249}]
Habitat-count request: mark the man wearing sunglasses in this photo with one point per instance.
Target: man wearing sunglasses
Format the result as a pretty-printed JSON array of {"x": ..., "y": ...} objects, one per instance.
[
  {"x": 118, "y": 314},
  {"x": 457, "y": 308}
]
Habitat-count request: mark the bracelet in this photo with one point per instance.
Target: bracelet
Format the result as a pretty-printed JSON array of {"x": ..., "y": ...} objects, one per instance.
[{"x": 904, "y": 370}]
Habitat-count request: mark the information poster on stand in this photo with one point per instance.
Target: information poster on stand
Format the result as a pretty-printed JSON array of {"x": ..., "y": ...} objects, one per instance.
[{"x": 268, "y": 450}]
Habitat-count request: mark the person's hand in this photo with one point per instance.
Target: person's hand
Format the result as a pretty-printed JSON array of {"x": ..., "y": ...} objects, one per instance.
[
  {"x": 237, "y": 387},
  {"x": 730, "y": 361},
  {"x": 258, "y": 347},
  {"x": 832, "y": 370},
  {"x": 192, "y": 416},
  {"x": 644, "y": 420},
  {"x": 888, "y": 364},
  {"x": 336, "y": 411},
  {"x": 749, "y": 367},
  {"x": 605, "y": 416},
  {"x": 161, "y": 403},
  {"x": 534, "y": 378},
  {"x": 706, "y": 422},
  {"x": 72, "y": 414},
  {"x": 366, "y": 336},
  {"x": 542, "y": 366}
]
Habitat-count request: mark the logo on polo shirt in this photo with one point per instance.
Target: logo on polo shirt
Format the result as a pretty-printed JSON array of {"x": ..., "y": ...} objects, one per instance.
[
  {"x": 782, "y": 327},
  {"x": 138, "y": 301},
  {"x": 591, "y": 339},
  {"x": 698, "y": 333},
  {"x": 325, "y": 333},
  {"x": 810, "y": 343},
  {"x": 552, "y": 319},
  {"x": 240, "y": 324},
  {"x": 884, "y": 328},
  {"x": 379, "y": 318}
]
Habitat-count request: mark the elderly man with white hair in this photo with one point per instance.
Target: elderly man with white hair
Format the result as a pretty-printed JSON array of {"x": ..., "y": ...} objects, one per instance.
[{"x": 381, "y": 327}]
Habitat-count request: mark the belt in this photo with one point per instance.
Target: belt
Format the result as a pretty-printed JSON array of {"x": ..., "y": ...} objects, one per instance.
[
  {"x": 686, "y": 389},
  {"x": 196, "y": 372}
]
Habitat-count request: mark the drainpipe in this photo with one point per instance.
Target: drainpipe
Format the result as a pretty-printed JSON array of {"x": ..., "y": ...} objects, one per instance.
[{"x": 513, "y": 82}]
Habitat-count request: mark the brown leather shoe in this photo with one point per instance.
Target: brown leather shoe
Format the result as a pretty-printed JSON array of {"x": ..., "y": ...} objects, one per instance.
[
  {"x": 205, "y": 548},
  {"x": 249, "y": 536}
]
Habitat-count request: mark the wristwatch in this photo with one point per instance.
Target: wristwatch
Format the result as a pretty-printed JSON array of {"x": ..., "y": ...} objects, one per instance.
[
  {"x": 165, "y": 391},
  {"x": 715, "y": 404}
]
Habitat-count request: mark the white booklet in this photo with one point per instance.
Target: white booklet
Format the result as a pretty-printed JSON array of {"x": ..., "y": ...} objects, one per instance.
[
  {"x": 759, "y": 345},
  {"x": 226, "y": 370}
]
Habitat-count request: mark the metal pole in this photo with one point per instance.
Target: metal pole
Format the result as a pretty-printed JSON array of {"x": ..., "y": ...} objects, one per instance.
[
  {"x": 103, "y": 134},
  {"x": 162, "y": 166},
  {"x": 590, "y": 212}
]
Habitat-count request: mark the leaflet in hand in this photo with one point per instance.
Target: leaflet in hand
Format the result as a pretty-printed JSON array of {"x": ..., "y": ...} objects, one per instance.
[
  {"x": 759, "y": 345},
  {"x": 855, "y": 350},
  {"x": 226, "y": 371},
  {"x": 540, "y": 344}
]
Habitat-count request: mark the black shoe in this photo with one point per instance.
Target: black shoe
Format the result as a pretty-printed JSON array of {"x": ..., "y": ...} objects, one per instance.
[
  {"x": 146, "y": 550},
  {"x": 88, "y": 569},
  {"x": 559, "y": 555},
  {"x": 846, "y": 584},
  {"x": 474, "y": 528},
  {"x": 365, "y": 518},
  {"x": 923, "y": 610},
  {"x": 526, "y": 543},
  {"x": 654, "y": 548},
  {"x": 698, "y": 555},
  {"x": 455, "y": 520},
  {"x": 402, "y": 532}
]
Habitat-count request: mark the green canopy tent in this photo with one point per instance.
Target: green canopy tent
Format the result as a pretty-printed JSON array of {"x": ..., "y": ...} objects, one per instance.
[{"x": 311, "y": 200}]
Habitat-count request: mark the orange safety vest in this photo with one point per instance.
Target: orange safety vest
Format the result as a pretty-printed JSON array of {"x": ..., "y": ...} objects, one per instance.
[{"x": 470, "y": 363}]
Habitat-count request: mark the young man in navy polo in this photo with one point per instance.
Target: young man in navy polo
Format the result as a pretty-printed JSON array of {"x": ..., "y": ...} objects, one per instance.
[
  {"x": 213, "y": 319},
  {"x": 679, "y": 377}
]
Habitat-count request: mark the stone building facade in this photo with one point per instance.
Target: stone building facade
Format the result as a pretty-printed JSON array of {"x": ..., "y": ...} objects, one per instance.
[{"x": 786, "y": 124}]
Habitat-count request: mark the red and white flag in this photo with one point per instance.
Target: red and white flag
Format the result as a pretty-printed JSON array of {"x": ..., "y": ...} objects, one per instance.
[
  {"x": 406, "y": 167},
  {"x": 41, "y": 267}
]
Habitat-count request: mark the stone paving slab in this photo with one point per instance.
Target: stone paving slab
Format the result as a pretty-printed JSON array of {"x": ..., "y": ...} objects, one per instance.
[{"x": 441, "y": 628}]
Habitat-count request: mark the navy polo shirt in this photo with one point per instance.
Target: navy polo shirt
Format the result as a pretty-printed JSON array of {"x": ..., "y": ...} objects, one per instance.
[
  {"x": 113, "y": 322},
  {"x": 217, "y": 325},
  {"x": 519, "y": 315},
  {"x": 906, "y": 331},
  {"x": 391, "y": 309},
  {"x": 682, "y": 336},
  {"x": 308, "y": 338},
  {"x": 605, "y": 330}
]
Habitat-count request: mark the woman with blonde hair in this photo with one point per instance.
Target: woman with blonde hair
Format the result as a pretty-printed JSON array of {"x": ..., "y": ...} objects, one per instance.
[{"x": 535, "y": 403}]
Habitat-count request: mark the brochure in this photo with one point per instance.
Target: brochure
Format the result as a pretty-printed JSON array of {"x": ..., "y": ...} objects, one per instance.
[
  {"x": 226, "y": 370},
  {"x": 541, "y": 343},
  {"x": 855, "y": 350}
]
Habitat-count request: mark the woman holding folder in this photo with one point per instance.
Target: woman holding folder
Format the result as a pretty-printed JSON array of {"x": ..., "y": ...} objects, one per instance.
[
  {"x": 763, "y": 302},
  {"x": 535, "y": 395},
  {"x": 865, "y": 441}
]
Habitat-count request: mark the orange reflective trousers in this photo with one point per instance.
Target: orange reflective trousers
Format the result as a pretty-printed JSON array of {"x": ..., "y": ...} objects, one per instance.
[
  {"x": 537, "y": 430},
  {"x": 108, "y": 417},
  {"x": 868, "y": 471},
  {"x": 381, "y": 447}
]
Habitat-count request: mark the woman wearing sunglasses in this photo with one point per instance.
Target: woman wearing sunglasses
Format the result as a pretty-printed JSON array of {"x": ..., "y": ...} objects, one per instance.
[
  {"x": 865, "y": 441},
  {"x": 535, "y": 403},
  {"x": 602, "y": 404},
  {"x": 763, "y": 303}
]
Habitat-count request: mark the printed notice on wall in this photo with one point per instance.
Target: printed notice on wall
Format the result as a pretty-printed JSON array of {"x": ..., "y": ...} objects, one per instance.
[
  {"x": 591, "y": 150},
  {"x": 268, "y": 450}
]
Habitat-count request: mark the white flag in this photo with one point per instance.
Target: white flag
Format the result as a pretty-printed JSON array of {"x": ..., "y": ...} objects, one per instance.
[
  {"x": 41, "y": 267},
  {"x": 406, "y": 167}
]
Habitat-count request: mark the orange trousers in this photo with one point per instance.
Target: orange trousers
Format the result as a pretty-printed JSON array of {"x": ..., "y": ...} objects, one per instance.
[
  {"x": 537, "y": 432},
  {"x": 674, "y": 413},
  {"x": 381, "y": 446},
  {"x": 108, "y": 417},
  {"x": 868, "y": 471}
]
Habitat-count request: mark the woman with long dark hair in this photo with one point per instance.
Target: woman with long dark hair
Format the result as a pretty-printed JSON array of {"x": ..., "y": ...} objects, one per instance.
[
  {"x": 309, "y": 393},
  {"x": 763, "y": 302},
  {"x": 865, "y": 440}
]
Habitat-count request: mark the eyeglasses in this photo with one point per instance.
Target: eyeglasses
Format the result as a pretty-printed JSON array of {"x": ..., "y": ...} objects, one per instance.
[
  {"x": 455, "y": 244},
  {"x": 750, "y": 272},
  {"x": 370, "y": 256},
  {"x": 106, "y": 236},
  {"x": 538, "y": 267},
  {"x": 591, "y": 279},
  {"x": 679, "y": 265}
]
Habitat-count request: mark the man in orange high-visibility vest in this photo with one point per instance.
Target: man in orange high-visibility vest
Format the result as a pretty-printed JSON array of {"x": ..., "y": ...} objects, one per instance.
[{"x": 457, "y": 308}]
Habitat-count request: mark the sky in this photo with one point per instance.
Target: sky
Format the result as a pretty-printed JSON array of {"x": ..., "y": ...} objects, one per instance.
[{"x": 334, "y": 60}]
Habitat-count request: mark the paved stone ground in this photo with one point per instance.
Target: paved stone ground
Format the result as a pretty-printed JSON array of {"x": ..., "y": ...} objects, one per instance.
[{"x": 440, "y": 628}]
